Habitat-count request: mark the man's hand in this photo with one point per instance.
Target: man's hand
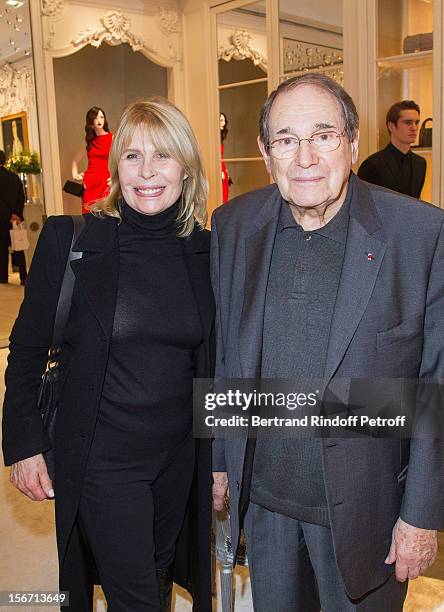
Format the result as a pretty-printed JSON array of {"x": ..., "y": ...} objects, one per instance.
[
  {"x": 220, "y": 490},
  {"x": 413, "y": 549},
  {"x": 30, "y": 476}
]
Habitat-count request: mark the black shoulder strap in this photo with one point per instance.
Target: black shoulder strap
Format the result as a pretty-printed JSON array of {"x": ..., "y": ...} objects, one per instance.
[{"x": 65, "y": 297}]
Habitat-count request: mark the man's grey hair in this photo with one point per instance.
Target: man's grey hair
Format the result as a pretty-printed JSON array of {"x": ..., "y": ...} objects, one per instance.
[{"x": 344, "y": 100}]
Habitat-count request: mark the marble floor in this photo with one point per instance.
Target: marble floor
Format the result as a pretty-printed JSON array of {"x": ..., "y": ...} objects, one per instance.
[{"x": 28, "y": 559}]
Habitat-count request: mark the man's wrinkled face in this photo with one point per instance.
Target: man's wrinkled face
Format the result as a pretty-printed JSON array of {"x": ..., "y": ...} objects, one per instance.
[{"x": 310, "y": 178}]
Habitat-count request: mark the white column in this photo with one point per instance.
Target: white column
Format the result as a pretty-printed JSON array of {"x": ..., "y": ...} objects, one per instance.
[{"x": 360, "y": 77}]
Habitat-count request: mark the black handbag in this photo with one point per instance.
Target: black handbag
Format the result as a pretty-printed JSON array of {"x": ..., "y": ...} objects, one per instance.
[
  {"x": 48, "y": 395},
  {"x": 425, "y": 134},
  {"x": 73, "y": 188}
]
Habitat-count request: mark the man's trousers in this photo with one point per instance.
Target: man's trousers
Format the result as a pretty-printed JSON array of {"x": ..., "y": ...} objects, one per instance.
[{"x": 293, "y": 569}]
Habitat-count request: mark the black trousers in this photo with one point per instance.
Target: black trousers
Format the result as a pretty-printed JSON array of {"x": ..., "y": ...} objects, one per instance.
[
  {"x": 18, "y": 259},
  {"x": 130, "y": 515}
]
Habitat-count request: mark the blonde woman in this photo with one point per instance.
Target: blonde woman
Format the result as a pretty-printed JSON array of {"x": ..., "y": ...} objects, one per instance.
[{"x": 139, "y": 330}]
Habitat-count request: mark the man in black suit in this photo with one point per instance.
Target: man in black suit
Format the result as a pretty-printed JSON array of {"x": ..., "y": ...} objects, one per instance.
[
  {"x": 12, "y": 200},
  {"x": 396, "y": 167}
]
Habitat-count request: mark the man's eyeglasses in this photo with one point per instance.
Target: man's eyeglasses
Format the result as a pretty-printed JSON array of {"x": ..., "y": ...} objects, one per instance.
[{"x": 286, "y": 147}]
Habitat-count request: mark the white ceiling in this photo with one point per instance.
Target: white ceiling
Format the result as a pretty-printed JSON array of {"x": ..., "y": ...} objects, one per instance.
[{"x": 14, "y": 26}]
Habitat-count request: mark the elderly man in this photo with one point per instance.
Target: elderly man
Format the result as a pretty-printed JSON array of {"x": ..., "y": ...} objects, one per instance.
[
  {"x": 396, "y": 166},
  {"x": 324, "y": 276}
]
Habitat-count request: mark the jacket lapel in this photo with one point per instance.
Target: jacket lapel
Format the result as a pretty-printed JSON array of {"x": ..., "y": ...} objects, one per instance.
[
  {"x": 392, "y": 168},
  {"x": 97, "y": 271},
  {"x": 196, "y": 250},
  {"x": 258, "y": 252},
  {"x": 416, "y": 176},
  {"x": 362, "y": 261}
]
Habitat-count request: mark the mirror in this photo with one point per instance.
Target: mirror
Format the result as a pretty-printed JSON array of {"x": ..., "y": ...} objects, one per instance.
[
  {"x": 19, "y": 133},
  {"x": 311, "y": 38},
  {"x": 242, "y": 81}
]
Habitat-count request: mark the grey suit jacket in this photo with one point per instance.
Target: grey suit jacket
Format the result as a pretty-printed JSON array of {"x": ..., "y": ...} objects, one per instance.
[{"x": 388, "y": 322}]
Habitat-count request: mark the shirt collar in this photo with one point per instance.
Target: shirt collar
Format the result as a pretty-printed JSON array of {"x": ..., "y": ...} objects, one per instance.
[
  {"x": 335, "y": 229},
  {"x": 395, "y": 151}
]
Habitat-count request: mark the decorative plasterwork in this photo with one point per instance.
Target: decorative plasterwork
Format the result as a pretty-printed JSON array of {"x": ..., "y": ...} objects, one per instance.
[
  {"x": 52, "y": 8},
  {"x": 169, "y": 21},
  {"x": 300, "y": 56},
  {"x": 16, "y": 89},
  {"x": 116, "y": 30},
  {"x": 240, "y": 49}
]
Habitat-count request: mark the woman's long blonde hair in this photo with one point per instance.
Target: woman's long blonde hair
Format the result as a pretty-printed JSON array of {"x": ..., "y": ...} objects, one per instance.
[{"x": 171, "y": 134}]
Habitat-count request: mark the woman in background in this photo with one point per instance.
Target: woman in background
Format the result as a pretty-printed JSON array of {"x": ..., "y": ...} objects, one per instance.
[
  {"x": 226, "y": 180},
  {"x": 132, "y": 486},
  {"x": 98, "y": 140}
]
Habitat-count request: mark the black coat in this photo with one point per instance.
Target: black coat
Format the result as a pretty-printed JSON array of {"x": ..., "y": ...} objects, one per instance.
[
  {"x": 381, "y": 169},
  {"x": 12, "y": 200},
  {"x": 83, "y": 366}
]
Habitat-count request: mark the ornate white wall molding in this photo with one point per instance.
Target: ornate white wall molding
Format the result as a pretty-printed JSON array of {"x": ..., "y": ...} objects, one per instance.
[
  {"x": 16, "y": 89},
  {"x": 116, "y": 30},
  {"x": 240, "y": 49},
  {"x": 169, "y": 21},
  {"x": 52, "y": 8}
]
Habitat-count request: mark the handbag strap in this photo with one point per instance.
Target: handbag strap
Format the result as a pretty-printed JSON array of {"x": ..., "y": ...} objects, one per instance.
[{"x": 66, "y": 290}]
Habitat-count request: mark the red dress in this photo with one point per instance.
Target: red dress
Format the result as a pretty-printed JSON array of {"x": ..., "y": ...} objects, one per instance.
[
  {"x": 97, "y": 173},
  {"x": 225, "y": 178}
]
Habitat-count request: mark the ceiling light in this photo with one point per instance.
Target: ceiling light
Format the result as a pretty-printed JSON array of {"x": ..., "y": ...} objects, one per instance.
[
  {"x": 12, "y": 42},
  {"x": 14, "y": 3}
]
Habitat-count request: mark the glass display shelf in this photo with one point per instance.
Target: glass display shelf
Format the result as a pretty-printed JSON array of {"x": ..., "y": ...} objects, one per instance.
[{"x": 421, "y": 59}]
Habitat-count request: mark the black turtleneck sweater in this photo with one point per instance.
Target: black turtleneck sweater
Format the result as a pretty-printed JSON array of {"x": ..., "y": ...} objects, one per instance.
[{"x": 147, "y": 393}]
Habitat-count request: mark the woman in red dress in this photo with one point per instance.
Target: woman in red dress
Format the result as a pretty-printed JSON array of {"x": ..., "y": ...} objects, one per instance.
[
  {"x": 226, "y": 180},
  {"x": 98, "y": 140}
]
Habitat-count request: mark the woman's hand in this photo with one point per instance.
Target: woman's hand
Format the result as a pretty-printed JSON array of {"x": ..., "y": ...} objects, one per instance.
[
  {"x": 30, "y": 476},
  {"x": 77, "y": 176}
]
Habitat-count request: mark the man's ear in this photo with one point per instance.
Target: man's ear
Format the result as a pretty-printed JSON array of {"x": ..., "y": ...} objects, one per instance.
[
  {"x": 264, "y": 153},
  {"x": 355, "y": 147},
  {"x": 391, "y": 126}
]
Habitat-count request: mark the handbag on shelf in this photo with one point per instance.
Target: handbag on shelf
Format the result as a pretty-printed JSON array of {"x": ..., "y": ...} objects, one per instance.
[
  {"x": 425, "y": 134},
  {"x": 418, "y": 42},
  {"x": 73, "y": 188},
  {"x": 19, "y": 237},
  {"x": 48, "y": 395}
]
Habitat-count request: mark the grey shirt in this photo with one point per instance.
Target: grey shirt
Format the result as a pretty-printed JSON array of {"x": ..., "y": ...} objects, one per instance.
[{"x": 301, "y": 293}]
